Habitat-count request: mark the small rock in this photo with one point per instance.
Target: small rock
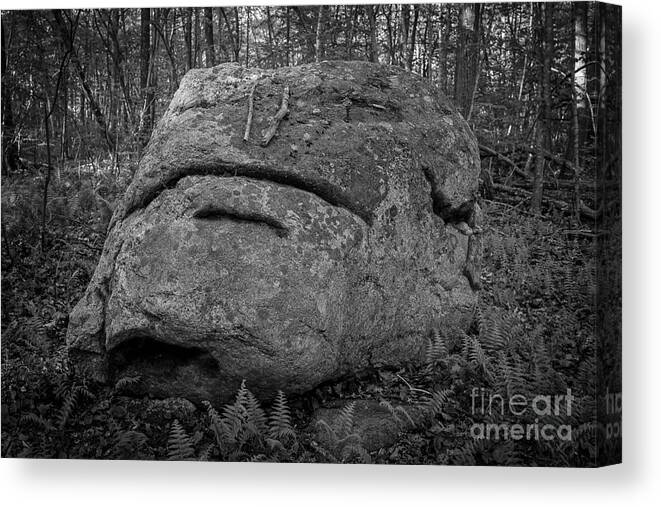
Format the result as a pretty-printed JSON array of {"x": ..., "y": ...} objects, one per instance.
[
  {"x": 293, "y": 150},
  {"x": 463, "y": 228}
]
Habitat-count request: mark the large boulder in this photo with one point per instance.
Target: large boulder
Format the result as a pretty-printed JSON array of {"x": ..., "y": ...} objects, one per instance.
[{"x": 332, "y": 238}]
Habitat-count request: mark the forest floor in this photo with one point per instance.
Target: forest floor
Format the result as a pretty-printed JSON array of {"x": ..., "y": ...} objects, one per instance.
[{"x": 533, "y": 335}]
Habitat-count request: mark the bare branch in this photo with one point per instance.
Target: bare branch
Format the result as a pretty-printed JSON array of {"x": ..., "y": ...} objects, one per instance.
[
  {"x": 282, "y": 112},
  {"x": 246, "y": 135}
]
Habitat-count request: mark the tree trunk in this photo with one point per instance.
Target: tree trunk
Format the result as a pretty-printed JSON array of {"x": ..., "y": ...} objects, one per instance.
[
  {"x": 188, "y": 37},
  {"x": 247, "y": 36},
  {"x": 67, "y": 41},
  {"x": 153, "y": 67},
  {"x": 237, "y": 26},
  {"x": 543, "y": 139},
  {"x": 49, "y": 107},
  {"x": 269, "y": 26},
  {"x": 233, "y": 37},
  {"x": 391, "y": 37},
  {"x": 468, "y": 55},
  {"x": 445, "y": 44},
  {"x": 196, "y": 37},
  {"x": 318, "y": 48},
  {"x": 580, "y": 18},
  {"x": 427, "y": 44},
  {"x": 374, "y": 46},
  {"x": 44, "y": 201},
  {"x": 288, "y": 35},
  {"x": 64, "y": 138},
  {"x": 579, "y": 81},
  {"x": 210, "y": 54},
  {"x": 414, "y": 30},
  {"x": 146, "y": 90},
  {"x": 111, "y": 19},
  {"x": 9, "y": 144},
  {"x": 221, "y": 55},
  {"x": 605, "y": 144},
  {"x": 170, "y": 48},
  {"x": 404, "y": 42}
]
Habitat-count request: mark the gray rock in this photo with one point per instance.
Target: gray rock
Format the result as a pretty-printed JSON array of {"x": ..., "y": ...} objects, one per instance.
[{"x": 227, "y": 260}]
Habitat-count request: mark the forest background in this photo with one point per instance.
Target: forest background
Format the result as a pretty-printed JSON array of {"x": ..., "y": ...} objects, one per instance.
[{"x": 539, "y": 83}]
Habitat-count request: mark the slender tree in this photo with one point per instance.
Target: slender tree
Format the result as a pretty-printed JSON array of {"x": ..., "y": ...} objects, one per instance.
[
  {"x": 467, "y": 58},
  {"x": 147, "y": 92},
  {"x": 188, "y": 37},
  {"x": 544, "y": 15},
  {"x": 66, "y": 31},
  {"x": 210, "y": 52},
  {"x": 318, "y": 47},
  {"x": 372, "y": 11},
  {"x": 9, "y": 144}
]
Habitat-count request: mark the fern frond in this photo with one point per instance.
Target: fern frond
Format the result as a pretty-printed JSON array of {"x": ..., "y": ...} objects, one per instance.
[
  {"x": 494, "y": 330},
  {"x": 350, "y": 439},
  {"x": 466, "y": 454},
  {"x": 476, "y": 355},
  {"x": 437, "y": 348},
  {"x": 234, "y": 418},
  {"x": 71, "y": 396},
  {"x": 280, "y": 427},
  {"x": 65, "y": 411},
  {"x": 274, "y": 444},
  {"x": 127, "y": 443},
  {"x": 544, "y": 372},
  {"x": 180, "y": 446},
  {"x": 437, "y": 402},
  {"x": 330, "y": 432},
  {"x": 127, "y": 382},
  {"x": 345, "y": 418},
  {"x": 37, "y": 420},
  {"x": 218, "y": 427},
  {"x": 207, "y": 453},
  {"x": 242, "y": 422},
  {"x": 398, "y": 413},
  {"x": 242, "y": 394},
  {"x": 352, "y": 449},
  {"x": 256, "y": 421},
  {"x": 513, "y": 375}
]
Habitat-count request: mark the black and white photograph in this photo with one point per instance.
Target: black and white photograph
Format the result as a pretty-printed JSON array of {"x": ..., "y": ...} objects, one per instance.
[{"x": 384, "y": 234}]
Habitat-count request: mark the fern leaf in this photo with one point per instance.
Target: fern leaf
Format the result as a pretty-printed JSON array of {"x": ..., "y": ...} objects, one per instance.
[
  {"x": 438, "y": 402},
  {"x": 127, "y": 443},
  {"x": 127, "y": 382},
  {"x": 65, "y": 411},
  {"x": 437, "y": 349},
  {"x": 219, "y": 428},
  {"x": 354, "y": 449},
  {"x": 345, "y": 419},
  {"x": 180, "y": 446},
  {"x": 280, "y": 427},
  {"x": 332, "y": 435},
  {"x": 398, "y": 413},
  {"x": 494, "y": 330},
  {"x": 256, "y": 419},
  {"x": 37, "y": 420}
]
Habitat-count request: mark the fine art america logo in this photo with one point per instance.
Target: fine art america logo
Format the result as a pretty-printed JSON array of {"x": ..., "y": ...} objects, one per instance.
[{"x": 484, "y": 403}]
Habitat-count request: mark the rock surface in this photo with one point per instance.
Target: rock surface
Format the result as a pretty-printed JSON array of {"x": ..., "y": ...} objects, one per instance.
[{"x": 324, "y": 252}]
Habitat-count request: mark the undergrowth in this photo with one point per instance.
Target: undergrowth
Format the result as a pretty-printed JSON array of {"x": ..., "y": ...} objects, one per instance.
[{"x": 533, "y": 334}]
